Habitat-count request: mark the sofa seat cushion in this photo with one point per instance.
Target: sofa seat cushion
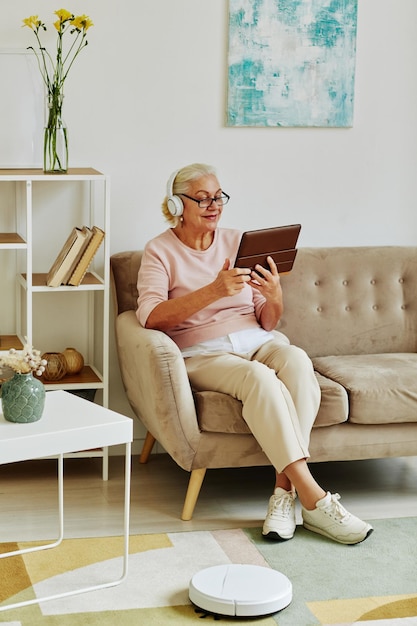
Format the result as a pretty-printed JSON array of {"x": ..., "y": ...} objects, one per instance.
[
  {"x": 382, "y": 388},
  {"x": 220, "y": 413},
  {"x": 334, "y": 405}
]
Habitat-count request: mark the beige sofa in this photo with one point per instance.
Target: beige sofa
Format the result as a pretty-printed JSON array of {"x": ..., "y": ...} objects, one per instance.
[{"x": 354, "y": 311}]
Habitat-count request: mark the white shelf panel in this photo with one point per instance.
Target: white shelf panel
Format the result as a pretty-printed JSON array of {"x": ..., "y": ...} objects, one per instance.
[
  {"x": 13, "y": 246},
  {"x": 24, "y": 174},
  {"x": 72, "y": 386},
  {"x": 92, "y": 282}
]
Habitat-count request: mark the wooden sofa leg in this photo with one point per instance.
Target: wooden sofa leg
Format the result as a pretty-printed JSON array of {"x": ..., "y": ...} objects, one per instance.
[
  {"x": 194, "y": 486},
  {"x": 147, "y": 448}
]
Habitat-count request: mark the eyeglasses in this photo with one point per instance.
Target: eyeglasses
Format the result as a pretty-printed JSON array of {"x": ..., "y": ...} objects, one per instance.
[{"x": 205, "y": 203}]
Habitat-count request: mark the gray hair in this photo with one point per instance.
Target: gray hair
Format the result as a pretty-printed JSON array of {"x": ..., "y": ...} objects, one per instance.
[{"x": 183, "y": 178}]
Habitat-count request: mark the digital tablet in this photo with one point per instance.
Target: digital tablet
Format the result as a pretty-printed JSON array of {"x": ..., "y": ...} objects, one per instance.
[{"x": 278, "y": 242}]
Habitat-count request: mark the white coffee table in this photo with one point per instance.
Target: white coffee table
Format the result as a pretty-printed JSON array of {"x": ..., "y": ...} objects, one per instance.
[{"x": 69, "y": 424}]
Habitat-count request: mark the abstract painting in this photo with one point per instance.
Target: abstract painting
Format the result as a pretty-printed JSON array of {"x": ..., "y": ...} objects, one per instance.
[{"x": 291, "y": 62}]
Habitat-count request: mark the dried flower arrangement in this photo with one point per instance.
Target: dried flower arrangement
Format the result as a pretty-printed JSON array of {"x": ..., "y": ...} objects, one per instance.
[{"x": 24, "y": 361}]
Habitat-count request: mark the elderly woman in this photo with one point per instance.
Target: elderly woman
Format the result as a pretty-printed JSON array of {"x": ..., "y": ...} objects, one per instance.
[{"x": 223, "y": 320}]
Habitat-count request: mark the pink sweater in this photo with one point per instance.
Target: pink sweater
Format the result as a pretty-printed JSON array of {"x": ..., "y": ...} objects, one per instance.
[{"x": 170, "y": 269}]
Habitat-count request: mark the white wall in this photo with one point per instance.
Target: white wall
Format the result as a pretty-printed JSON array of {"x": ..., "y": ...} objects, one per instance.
[{"x": 148, "y": 95}]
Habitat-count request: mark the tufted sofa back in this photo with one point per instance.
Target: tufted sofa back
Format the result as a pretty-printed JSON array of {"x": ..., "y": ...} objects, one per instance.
[{"x": 353, "y": 300}]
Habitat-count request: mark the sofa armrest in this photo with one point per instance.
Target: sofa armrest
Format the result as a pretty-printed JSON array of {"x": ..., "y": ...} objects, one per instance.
[{"x": 157, "y": 386}]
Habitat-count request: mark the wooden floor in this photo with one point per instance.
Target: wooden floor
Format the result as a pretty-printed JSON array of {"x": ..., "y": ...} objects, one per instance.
[{"x": 229, "y": 498}]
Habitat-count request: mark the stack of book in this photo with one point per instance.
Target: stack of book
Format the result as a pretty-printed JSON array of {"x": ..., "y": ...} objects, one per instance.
[{"x": 73, "y": 261}]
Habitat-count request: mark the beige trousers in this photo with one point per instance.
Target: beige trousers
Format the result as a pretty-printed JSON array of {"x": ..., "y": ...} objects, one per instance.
[{"x": 278, "y": 389}]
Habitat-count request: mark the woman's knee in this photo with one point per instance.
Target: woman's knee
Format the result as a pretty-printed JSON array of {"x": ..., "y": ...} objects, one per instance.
[
  {"x": 260, "y": 377},
  {"x": 289, "y": 358},
  {"x": 297, "y": 358}
]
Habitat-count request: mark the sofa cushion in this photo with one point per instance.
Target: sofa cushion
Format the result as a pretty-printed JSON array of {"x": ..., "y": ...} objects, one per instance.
[
  {"x": 334, "y": 405},
  {"x": 220, "y": 413},
  {"x": 382, "y": 388}
]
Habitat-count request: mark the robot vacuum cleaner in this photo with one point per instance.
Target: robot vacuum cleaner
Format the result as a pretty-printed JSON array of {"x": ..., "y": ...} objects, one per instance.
[{"x": 240, "y": 590}]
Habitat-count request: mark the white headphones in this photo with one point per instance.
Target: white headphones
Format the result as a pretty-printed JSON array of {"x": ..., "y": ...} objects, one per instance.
[{"x": 175, "y": 204}]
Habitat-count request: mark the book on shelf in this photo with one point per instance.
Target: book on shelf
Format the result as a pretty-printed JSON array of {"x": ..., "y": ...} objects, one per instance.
[
  {"x": 68, "y": 256},
  {"x": 86, "y": 256}
]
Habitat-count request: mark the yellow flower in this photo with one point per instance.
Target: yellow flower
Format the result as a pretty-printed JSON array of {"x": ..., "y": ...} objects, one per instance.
[
  {"x": 82, "y": 22},
  {"x": 67, "y": 26},
  {"x": 64, "y": 15},
  {"x": 32, "y": 22}
]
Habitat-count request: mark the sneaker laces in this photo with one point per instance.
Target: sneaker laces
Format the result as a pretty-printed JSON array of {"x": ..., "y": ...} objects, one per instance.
[
  {"x": 281, "y": 505},
  {"x": 334, "y": 509}
]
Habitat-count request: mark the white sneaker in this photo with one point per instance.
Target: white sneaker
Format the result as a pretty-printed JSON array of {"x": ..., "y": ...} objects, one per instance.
[
  {"x": 279, "y": 524},
  {"x": 331, "y": 519}
]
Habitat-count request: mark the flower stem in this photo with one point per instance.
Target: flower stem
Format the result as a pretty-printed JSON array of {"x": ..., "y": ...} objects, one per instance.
[{"x": 55, "y": 148}]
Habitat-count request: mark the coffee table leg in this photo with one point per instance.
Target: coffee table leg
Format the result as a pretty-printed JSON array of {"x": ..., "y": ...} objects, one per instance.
[{"x": 58, "y": 541}]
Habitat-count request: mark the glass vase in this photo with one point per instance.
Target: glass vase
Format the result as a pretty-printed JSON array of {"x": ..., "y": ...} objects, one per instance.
[
  {"x": 23, "y": 399},
  {"x": 55, "y": 139}
]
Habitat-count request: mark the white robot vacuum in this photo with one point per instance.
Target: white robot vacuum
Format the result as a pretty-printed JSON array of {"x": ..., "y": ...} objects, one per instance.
[{"x": 240, "y": 590}]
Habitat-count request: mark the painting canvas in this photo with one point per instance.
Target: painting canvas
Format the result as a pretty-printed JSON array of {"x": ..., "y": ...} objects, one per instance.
[
  {"x": 21, "y": 110},
  {"x": 291, "y": 62}
]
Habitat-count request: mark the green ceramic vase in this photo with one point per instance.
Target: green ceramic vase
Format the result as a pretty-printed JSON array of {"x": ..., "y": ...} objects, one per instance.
[{"x": 23, "y": 399}]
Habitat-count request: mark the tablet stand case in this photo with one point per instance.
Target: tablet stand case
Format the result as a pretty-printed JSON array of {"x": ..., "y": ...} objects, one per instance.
[{"x": 278, "y": 242}]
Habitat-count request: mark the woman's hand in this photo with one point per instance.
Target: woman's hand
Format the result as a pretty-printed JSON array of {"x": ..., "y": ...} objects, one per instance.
[
  {"x": 267, "y": 281},
  {"x": 231, "y": 281}
]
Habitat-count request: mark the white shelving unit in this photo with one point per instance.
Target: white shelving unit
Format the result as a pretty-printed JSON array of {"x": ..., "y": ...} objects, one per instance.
[{"x": 37, "y": 212}]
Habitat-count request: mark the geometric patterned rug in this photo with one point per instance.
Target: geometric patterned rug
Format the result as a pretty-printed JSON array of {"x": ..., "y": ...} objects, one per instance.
[{"x": 373, "y": 583}]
